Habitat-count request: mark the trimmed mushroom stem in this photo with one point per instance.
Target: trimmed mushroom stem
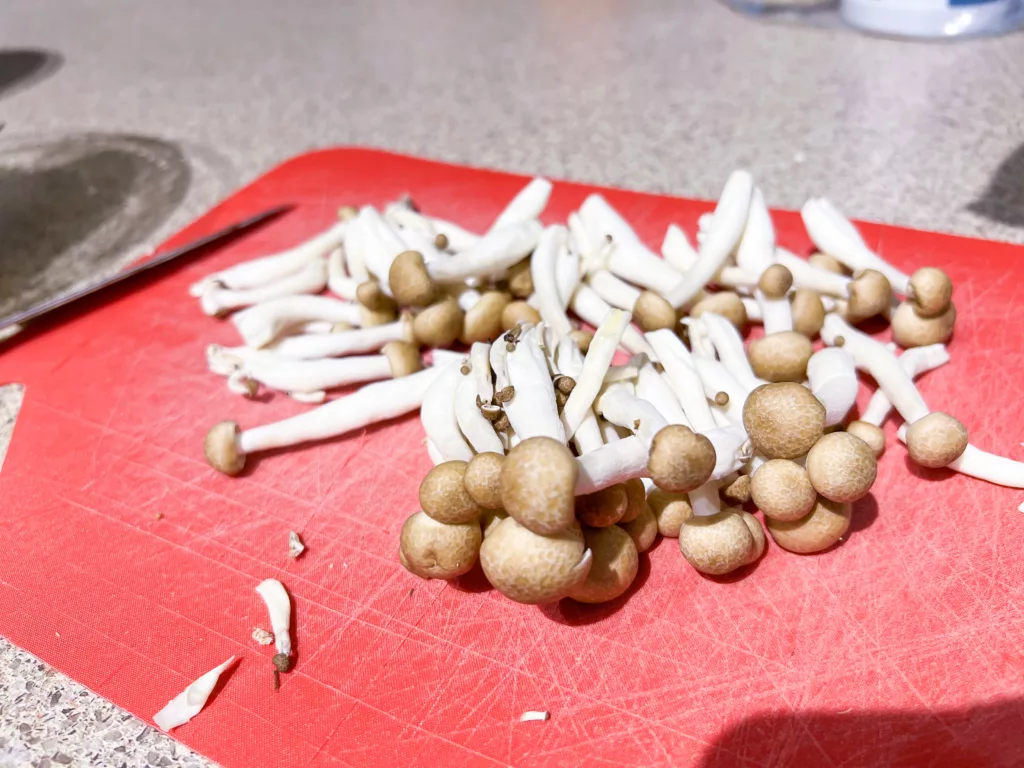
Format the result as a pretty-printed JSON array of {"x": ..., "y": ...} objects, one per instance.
[
  {"x": 340, "y": 343},
  {"x": 533, "y": 411},
  {"x": 983, "y": 465},
  {"x": 355, "y": 259},
  {"x": 261, "y": 324},
  {"x": 836, "y": 235},
  {"x": 806, "y": 275},
  {"x": 492, "y": 255},
  {"x": 309, "y": 279},
  {"x": 473, "y": 388},
  {"x": 312, "y": 377},
  {"x": 728, "y": 345},
  {"x": 459, "y": 239},
  {"x": 654, "y": 389},
  {"x": 610, "y": 464},
  {"x": 624, "y": 409},
  {"x": 833, "y": 380},
  {"x": 872, "y": 357},
  {"x": 618, "y": 293},
  {"x": 726, "y": 228},
  {"x": 705, "y": 501},
  {"x": 338, "y": 281},
  {"x": 592, "y": 309},
  {"x": 437, "y": 414},
  {"x": 544, "y": 271},
  {"x": 595, "y": 366},
  {"x": 528, "y": 204},
  {"x": 756, "y": 249},
  {"x": 567, "y": 275},
  {"x": 717, "y": 378},
  {"x": 700, "y": 342},
  {"x": 776, "y": 314},
  {"x": 733, "y": 449},
  {"x": 268, "y": 269},
  {"x": 683, "y": 378},
  {"x": 677, "y": 250},
  {"x": 914, "y": 362}
]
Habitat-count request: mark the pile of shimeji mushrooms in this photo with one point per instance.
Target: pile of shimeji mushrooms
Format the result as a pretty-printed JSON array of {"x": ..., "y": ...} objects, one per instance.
[{"x": 555, "y": 462}]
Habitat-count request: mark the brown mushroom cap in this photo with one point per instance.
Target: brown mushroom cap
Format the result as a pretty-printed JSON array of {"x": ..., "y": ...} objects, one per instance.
[
  {"x": 444, "y": 497},
  {"x": 783, "y": 420},
  {"x": 403, "y": 357},
  {"x": 221, "y": 448},
  {"x": 440, "y": 324},
  {"x": 728, "y": 304},
  {"x": 410, "y": 281},
  {"x": 636, "y": 499},
  {"x": 870, "y": 295},
  {"x": 775, "y": 281},
  {"x": 782, "y": 490},
  {"x": 538, "y": 485},
  {"x": 870, "y": 434},
  {"x": 441, "y": 241},
  {"x": 372, "y": 296},
  {"x": 582, "y": 339},
  {"x": 520, "y": 280},
  {"x": 757, "y": 532},
  {"x": 602, "y": 508},
  {"x": 652, "y": 313},
  {"x": 490, "y": 519},
  {"x": 808, "y": 312},
  {"x": 828, "y": 263},
  {"x": 434, "y": 550},
  {"x": 643, "y": 530},
  {"x": 516, "y": 312},
  {"x": 716, "y": 544},
  {"x": 530, "y": 568},
  {"x": 842, "y": 467},
  {"x": 483, "y": 479},
  {"x": 671, "y": 510},
  {"x": 615, "y": 563},
  {"x": 736, "y": 491},
  {"x": 483, "y": 320},
  {"x": 930, "y": 291},
  {"x": 824, "y": 526},
  {"x": 781, "y": 356},
  {"x": 369, "y": 318},
  {"x": 909, "y": 329},
  {"x": 680, "y": 459},
  {"x": 936, "y": 440}
]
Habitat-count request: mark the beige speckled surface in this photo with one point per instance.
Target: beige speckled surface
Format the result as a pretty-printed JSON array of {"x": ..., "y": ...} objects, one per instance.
[{"x": 665, "y": 96}]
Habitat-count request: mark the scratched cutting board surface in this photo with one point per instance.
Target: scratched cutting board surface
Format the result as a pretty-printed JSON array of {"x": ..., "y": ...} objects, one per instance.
[{"x": 129, "y": 564}]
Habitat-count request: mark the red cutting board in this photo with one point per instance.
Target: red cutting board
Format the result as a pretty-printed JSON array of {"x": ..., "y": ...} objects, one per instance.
[{"x": 902, "y": 646}]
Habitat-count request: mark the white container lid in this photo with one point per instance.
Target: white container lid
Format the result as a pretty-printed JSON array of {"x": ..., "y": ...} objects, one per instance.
[{"x": 931, "y": 18}]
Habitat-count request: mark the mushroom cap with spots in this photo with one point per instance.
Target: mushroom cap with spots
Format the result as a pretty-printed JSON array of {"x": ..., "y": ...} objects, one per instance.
[
  {"x": 808, "y": 312},
  {"x": 781, "y": 356},
  {"x": 737, "y": 491},
  {"x": 757, "y": 532},
  {"x": 434, "y": 550},
  {"x": 615, "y": 564},
  {"x": 221, "y": 448},
  {"x": 403, "y": 357},
  {"x": 483, "y": 479},
  {"x": 930, "y": 291},
  {"x": 717, "y": 544},
  {"x": 444, "y": 497},
  {"x": 652, "y": 312},
  {"x": 636, "y": 499},
  {"x": 440, "y": 324},
  {"x": 602, "y": 508},
  {"x": 782, "y": 490},
  {"x": 643, "y": 529},
  {"x": 530, "y": 568},
  {"x": 680, "y": 459},
  {"x": 671, "y": 510},
  {"x": 870, "y": 434},
  {"x": 870, "y": 294},
  {"x": 783, "y": 420},
  {"x": 728, "y": 304},
  {"x": 936, "y": 440},
  {"x": 516, "y": 312},
  {"x": 491, "y": 519},
  {"x": 775, "y": 281},
  {"x": 909, "y": 329},
  {"x": 538, "y": 482},
  {"x": 409, "y": 280},
  {"x": 483, "y": 320},
  {"x": 372, "y": 296},
  {"x": 814, "y": 532},
  {"x": 842, "y": 467}
]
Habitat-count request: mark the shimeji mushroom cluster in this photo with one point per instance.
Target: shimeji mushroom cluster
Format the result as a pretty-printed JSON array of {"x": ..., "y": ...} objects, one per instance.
[{"x": 561, "y": 454}]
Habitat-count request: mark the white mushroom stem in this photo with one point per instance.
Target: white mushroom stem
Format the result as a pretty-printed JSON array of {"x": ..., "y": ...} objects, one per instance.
[
  {"x": 612, "y": 463},
  {"x": 700, "y": 342},
  {"x": 836, "y": 235},
  {"x": 776, "y": 314},
  {"x": 311, "y": 278},
  {"x": 415, "y": 240},
  {"x": 544, "y": 273},
  {"x": 381, "y": 244},
  {"x": 717, "y": 378},
  {"x": 611, "y": 433},
  {"x": 262, "y": 323},
  {"x": 437, "y": 415},
  {"x": 473, "y": 388},
  {"x": 733, "y": 449},
  {"x": 652, "y": 387},
  {"x": 705, "y": 501},
  {"x": 459, "y": 239},
  {"x": 806, "y": 275},
  {"x": 982, "y": 465},
  {"x": 279, "y": 609},
  {"x": 728, "y": 345},
  {"x": 677, "y": 250},
  {"x": 736, "y": 278},
  {"x": 191, "y": 701},
  {"x": 592, "y": 309},
  {"x": 313, "y": 376},
  {"x": 491, "y": 256},
  {"x": 528, "y": 204},
  {"x": 373, "y": 403},
  {"x": 468, "y": 299},
  {"x": 618, "y": 293},
  {"x": 269, "y": 269},
  {"x": 683, "y": 378},
  {"x": 721, "y": 417},
  {"x": 756, "y": 249},
  {"x": 355, "y": 258},
  {"x": 567, "y": 275},
  {"x": 338, "y": 281},
  {"x": 499, "y": 363},
  {"x": 340, "y": 343},
  {"x": 532, "y": 411},
  {"x": 226, "y": 360},
  {"x": 726, "y": 229},
  {"x": 595, "y": 366},
  {"x": 872, "y": 357},
  {"x": 832, "y": 377},
  {"x": 753, "y": 309},
  {"x": 622, "y": 408},
  {"x": 435, "y": 455},
  {"x": 914, "y": 362}
]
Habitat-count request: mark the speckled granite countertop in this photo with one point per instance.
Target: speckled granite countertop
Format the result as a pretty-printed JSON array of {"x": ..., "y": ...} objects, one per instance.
[{"x": 145, "y": 114}]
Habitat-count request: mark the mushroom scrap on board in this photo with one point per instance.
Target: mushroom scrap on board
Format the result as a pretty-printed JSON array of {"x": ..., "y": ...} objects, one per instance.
[{"x": 582, "y": 394}]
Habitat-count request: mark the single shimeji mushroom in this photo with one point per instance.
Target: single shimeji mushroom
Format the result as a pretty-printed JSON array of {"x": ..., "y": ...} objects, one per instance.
[
  {"x": 438, "y": 415},
  {"x": 440, "y": 324},
  {"x": 269, "y": 269},
  {"x": 729, "y": 305},
  {"x": 671, "y": 510},
  {"x": 832, "y": 378},
  {"x": 216, "y": 301},
  {"x": 531, "y": 568},
  {"x": 936, "y": 440},
  {"x": 842, "y": 467},
  {"x": 483, "y": 479},
  {"x": 308, "y": 379},
  {"x": 914, "y": 362},
  {"x": 260, "y": 324},
  {"x": 433, "y": 550},
  {"x": 444, "y": 497},
  {"x": 870, "y": 294},
  {"x": 226, "y": 446},
  {"x": 543, "y": 270},
  {"x": 191, "y": 701},
  {"x": 474, "y": 389},
  {"x": 718, "y": 544},
  {"x": 941, "y": 437},
  {"x": 808, "y": 311},
  {"x": 783, "y": 420},
  {"x": 415, "y": 283},
  {"x": 533, "y": 410},
  {"x": 782, "y": 490},
  {"x": 650, "y": 310},
  {"x": 727, "y": 226},
  {"x": 614, "y": 566},
  {"x": 345, "y": 342},
  {"x": 538, "y": 485},
  {"x": 826, "y": 524},
  {"x": 279, "y": 609},
  {"x": 909, "y": 329},
  {"x": 643, "y": 529},
  {"x": 930, "y": 292}
]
